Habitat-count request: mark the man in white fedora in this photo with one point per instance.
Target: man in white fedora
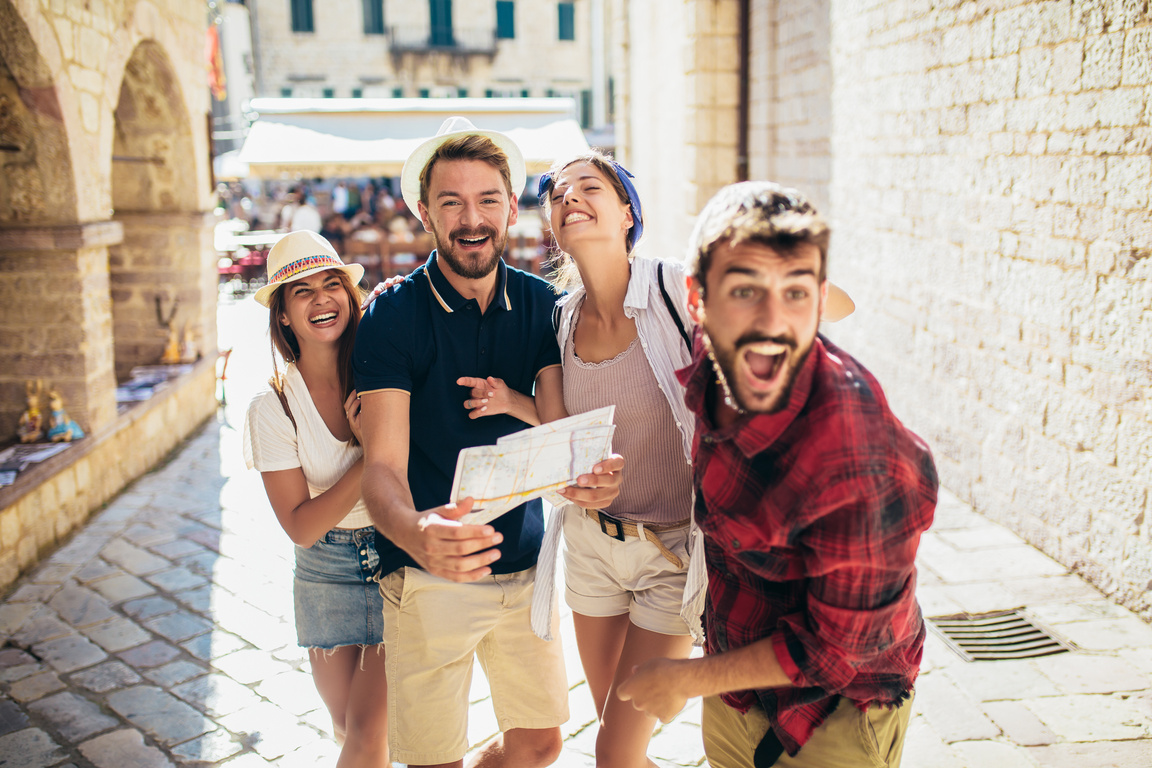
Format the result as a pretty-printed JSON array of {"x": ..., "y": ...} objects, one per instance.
[{"x": 461, "y": 353}]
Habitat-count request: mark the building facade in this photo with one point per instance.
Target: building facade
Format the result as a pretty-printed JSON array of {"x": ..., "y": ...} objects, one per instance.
[
  {"x": 986, "y": 168},
  {"x": 105, "y": 243},
  {"x": 431, "y": 48}
]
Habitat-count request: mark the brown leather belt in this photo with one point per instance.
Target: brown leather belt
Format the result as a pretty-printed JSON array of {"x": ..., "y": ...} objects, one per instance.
[{"x": 621, "y": 529}]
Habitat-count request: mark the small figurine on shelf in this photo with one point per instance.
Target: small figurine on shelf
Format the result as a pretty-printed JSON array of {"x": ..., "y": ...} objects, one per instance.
[
  {"x": 31, "y": 426},
  {"x": 188, "y": 351},
  {"x": 61, "y": 427},
  {"x": 171, "y": 354}
]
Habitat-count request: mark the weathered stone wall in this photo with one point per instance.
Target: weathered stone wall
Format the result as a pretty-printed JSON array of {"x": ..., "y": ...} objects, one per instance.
[
  {"x": 990, "y": 201},
  {"x": 338, "y": 55},
  {"x": 987, "y": 167},
  {"x": 103, "y": 137},
  {"x": 676, "y": 70},
  {"x": 55, "y": 320},
  {"x": 790, "y": 89}
]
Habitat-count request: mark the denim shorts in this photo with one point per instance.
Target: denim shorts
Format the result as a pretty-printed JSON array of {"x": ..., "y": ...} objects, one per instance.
[{"x": 335, "y": 594}]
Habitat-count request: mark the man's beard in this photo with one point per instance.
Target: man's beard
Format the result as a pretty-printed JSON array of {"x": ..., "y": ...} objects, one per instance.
[
  {"x": 724, "y": 363},
  {"x": 471, "y": 267}
]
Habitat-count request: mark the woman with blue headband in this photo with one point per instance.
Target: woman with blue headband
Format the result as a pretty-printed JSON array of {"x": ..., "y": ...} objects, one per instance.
[{"x": 622, "y": 332}]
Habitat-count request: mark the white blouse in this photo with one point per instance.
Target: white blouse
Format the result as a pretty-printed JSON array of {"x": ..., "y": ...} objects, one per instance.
[{"x": 271, "y": 443}]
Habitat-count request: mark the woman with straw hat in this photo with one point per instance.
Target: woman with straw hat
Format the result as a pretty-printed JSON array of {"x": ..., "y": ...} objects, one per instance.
[{"x": 303, "y": 436}]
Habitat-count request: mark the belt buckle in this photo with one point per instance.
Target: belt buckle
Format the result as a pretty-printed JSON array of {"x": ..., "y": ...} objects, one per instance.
[{"x": 606, "y": 518}]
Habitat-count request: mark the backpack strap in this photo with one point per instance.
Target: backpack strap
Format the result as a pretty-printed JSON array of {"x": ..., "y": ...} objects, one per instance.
[
  {"x": 672, "y": 308},
  {"x": 278, "y": 388}
]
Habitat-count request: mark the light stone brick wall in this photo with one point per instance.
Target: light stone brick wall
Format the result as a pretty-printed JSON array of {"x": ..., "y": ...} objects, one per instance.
[
  {"x": 790, "y": 104},
  {"x": 677, "y": 83},
  {"x": 986, "y": 168},
  {"x": 990, "y": 206},
  {"x": 338, "y": 55},
  {"x": 104, "y": 116}
]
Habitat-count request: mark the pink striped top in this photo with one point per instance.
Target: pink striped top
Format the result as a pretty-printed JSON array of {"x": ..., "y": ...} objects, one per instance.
[{"x": 657, "y": 485}]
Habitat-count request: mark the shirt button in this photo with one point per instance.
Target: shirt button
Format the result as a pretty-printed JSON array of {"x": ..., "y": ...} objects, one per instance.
[
  {"x": 368, "y": 578},
  {"x": 483, "y": 350},
  {"x": 735, "y": 543}
]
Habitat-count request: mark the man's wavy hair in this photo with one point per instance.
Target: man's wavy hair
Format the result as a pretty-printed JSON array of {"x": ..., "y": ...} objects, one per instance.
[
  {"x": 468, "y": 147},
  {"x": 759, "y": 212}
]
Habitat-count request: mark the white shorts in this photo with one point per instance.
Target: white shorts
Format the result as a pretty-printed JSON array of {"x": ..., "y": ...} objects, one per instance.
[{"x": 604, "y": 576}]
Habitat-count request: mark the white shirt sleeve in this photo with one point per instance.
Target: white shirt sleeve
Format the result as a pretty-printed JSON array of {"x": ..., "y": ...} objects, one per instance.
[{"x": 269, "y": 437}]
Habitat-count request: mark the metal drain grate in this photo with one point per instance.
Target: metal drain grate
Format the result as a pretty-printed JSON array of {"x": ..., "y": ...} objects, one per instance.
[{"x": 997, "y": 635}]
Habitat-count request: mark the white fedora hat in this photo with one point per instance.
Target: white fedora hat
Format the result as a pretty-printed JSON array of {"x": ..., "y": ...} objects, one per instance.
[
  {"x": 454, "y": 128},
  {"x": 300, "y": 254}
]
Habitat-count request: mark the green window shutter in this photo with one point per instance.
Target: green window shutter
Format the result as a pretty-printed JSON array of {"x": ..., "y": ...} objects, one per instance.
[
  {"x": 505, "y": 20},
  {"x": 567, "y": 14},
  {"x": 302, "y": 16},
  {"x": 373, "y": 17}
]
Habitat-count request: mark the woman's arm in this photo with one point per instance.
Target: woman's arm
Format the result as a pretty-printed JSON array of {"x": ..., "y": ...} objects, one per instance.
[{"x": 306, "y": 519}]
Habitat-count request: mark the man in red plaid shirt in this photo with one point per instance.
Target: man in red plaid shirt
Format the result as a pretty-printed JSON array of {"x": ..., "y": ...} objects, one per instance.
[{"x": 812, "y": 497}]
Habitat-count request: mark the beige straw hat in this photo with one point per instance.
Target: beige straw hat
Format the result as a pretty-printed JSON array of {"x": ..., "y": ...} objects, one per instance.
[{"x": 300, "y": 254}]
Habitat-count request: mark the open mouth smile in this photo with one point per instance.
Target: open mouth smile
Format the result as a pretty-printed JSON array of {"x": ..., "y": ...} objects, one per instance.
[
  {"x": 472, "y": 241},
  {"x": 576, "y": 216},
  {"x": 323, "y": 318},
  {"x": 764, "y": 361}
]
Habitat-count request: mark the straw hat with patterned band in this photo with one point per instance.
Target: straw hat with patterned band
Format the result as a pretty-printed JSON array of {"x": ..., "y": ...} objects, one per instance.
[
  {"x": 300, "y": 254},
  {"x": 454, "y": 128}
]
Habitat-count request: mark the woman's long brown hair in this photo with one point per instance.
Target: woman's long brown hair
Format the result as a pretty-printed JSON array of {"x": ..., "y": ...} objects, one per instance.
[{"x": 284, "y": 340}]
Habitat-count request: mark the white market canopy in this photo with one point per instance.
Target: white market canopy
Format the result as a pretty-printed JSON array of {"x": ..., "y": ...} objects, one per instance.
[{"x": 339, "y": 138}]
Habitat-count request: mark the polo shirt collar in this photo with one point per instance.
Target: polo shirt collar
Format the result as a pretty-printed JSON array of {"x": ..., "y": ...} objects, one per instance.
[
  {"x": 751, "y": 434},
  {"x": 447, "y": 296}
]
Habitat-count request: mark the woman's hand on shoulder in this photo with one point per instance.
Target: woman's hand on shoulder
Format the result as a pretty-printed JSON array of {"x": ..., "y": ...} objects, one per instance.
[{"x": 380, "y": 288}]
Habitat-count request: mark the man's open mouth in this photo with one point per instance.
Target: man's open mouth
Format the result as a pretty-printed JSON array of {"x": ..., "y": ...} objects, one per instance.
[{"x": 765, "y": 361}]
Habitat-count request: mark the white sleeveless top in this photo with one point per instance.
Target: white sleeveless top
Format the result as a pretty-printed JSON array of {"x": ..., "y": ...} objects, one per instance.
[{"x": 271, "y": 444}]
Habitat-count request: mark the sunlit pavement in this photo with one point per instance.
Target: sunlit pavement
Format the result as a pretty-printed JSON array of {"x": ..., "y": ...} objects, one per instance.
[{"x": 161, "y": 634}]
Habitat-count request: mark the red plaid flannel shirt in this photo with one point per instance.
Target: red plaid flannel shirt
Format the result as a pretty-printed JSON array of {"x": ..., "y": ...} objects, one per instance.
[{"x": 811, "y": 518}]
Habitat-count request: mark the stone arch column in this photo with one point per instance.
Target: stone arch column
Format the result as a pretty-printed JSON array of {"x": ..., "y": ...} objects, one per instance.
[
  {"x": 54, "y": 308},
  {"x": 163, "y": 270}
]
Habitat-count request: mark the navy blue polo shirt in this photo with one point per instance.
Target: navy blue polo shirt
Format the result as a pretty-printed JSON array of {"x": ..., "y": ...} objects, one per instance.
[{"x": 419, "y": 337}]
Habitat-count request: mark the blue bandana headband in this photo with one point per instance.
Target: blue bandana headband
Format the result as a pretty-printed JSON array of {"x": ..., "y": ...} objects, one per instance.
[{"x": 625, "y": 177}]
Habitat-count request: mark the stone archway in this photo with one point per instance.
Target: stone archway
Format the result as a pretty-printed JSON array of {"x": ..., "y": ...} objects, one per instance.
[
  {"x": 158, "y": 273},
  {"x": 54, "y": 305}
]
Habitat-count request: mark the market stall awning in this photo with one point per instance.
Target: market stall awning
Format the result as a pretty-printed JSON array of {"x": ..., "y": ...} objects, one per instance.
[{"x": 336, "y": 138}]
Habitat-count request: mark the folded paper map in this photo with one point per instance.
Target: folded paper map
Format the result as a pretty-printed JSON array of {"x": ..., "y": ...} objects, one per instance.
[{"x": 531, "y": 463}]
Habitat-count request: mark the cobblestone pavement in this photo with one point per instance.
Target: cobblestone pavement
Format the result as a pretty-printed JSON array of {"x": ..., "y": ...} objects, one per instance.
[{"x": 161, "y": 634}]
